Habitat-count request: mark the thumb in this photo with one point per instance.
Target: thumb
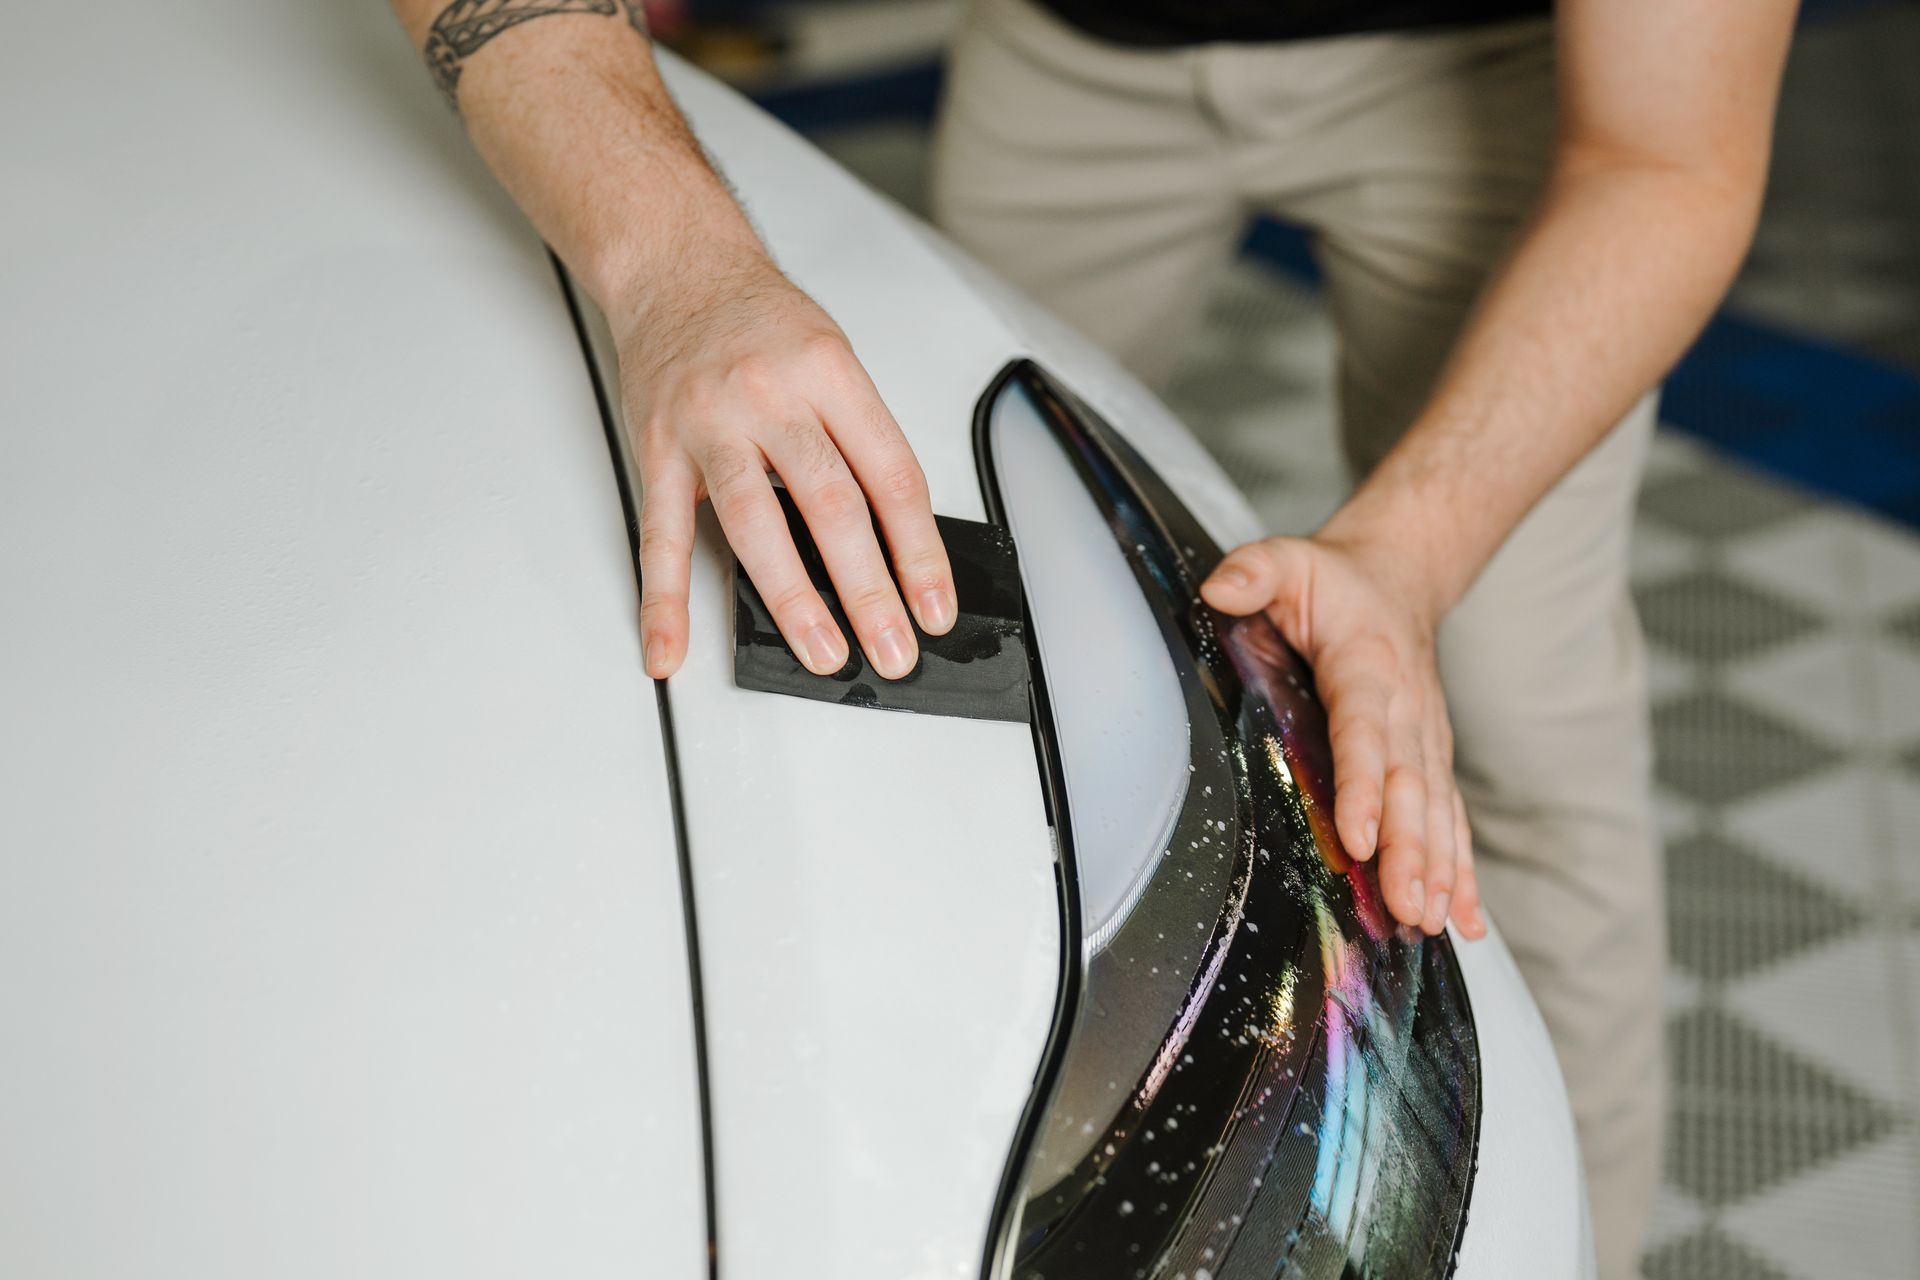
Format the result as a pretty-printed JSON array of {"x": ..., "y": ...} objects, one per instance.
[{"x": 1252, "y": 577}]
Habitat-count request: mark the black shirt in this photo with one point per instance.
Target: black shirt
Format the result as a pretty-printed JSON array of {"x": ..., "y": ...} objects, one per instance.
[{"x": 1176, "y": 22}]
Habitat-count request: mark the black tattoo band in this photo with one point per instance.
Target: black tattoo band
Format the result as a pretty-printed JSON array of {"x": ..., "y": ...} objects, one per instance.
[{"x": 465, "y": 25}]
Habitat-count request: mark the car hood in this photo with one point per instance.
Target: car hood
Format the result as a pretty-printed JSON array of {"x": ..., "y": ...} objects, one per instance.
[{"x": 340, "y": 926}]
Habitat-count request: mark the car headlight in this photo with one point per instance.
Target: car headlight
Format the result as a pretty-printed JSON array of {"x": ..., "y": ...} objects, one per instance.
[{"x": 1253, "y": 1070}]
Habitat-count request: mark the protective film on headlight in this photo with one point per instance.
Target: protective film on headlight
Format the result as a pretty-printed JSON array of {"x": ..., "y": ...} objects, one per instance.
[{"x": 1254, "y": 1071}]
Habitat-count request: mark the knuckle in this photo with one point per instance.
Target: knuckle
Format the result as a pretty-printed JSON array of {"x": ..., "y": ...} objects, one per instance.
[
  {"x": 1360, "y": 803},
  {"x": 1407, "y": 774},
  {"x": 794, "y": 602},
  {"x": 827, "y": 352},
  {"x": 812, "y": 451},
  {"x": 660, "y": 611},
  {"x": 1358, "y": 733},
  {"x": 1357, "y": 799},
  {"x": 752, "y": 375},
  {"x": 654, "y": 439},
  {"x": 658, "y": 544},
  {"x": 1253, "y": 559},
  {"x": 1400, "y": 858},
  {"x": 901, "y": 483},
  {"x": 1372, "y": 649},
  {"x": 875, "y": 603},
  {"x": 725, "y": 466},
  {"x": 699, "y": 401},
  {"x": 920, "y": 572},
  {"x": 841, "y": 503}
]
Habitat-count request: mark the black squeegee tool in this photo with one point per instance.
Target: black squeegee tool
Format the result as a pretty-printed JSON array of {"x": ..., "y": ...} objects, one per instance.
[{"x": 977, "y": 670}]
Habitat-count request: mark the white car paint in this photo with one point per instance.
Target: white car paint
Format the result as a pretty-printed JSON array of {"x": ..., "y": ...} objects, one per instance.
[
  {"x": 340, "y": 927},
  {"x": 340, "y": 920}
]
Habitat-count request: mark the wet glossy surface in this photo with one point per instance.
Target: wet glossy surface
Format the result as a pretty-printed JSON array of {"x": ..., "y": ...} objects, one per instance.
[{"x": 1264, "y": 1075}]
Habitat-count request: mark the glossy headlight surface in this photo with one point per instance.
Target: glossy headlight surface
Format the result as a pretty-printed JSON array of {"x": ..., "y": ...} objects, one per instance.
[{"x": 1255, "y": 1072}]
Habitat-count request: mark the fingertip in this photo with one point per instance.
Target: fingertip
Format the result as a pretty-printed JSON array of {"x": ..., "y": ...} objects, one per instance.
[
  {"x": 1354, "y": 823},
  {"x": 1410, "y": 904},
  {"x": 936, "y": 610},
  {"x": 1466, "y": 914},
  {"x": 822, "y": 650},
  {"x": 662, "y": 657},
  {"x": 1228, "y": 576},
  {"x": 1230, "y": 592},
  {"x": 894, "y": 652}
]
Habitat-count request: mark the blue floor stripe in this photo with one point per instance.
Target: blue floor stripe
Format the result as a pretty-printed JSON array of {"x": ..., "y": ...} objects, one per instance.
[{"x": 1816, "y": 414}]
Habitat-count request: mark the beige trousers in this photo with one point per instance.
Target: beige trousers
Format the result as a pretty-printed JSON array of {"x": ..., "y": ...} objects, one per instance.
[{"x": 1110, "y": 182}]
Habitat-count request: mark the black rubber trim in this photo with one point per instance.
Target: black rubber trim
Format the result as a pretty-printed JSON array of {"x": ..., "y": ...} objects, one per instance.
[
  {"x": 676, "y": 794},
  {"x": 1053, "y": 788}
]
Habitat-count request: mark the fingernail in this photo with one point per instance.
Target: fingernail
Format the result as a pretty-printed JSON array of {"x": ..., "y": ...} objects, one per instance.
[
  {"x": 1417, "y": 894},
  {"x": 821, "y": 652},
  {"x": 892, "y": 655},
  {"x": 936, "y": 609},
  {"x": 1373, "y": 837},
  {"x": 1439, "y": 911},
  {"x": 1232, "y": 576},
  {"x": 656, "y": 658}
]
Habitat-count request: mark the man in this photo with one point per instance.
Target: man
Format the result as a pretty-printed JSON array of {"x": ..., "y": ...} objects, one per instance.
[{"x": 1522, "y": 223}]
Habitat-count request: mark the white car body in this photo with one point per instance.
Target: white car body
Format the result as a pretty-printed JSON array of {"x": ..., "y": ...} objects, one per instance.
[{"x": 341, "y": 906}]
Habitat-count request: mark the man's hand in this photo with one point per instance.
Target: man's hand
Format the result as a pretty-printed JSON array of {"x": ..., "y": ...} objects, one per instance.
[
  {"x": 750, "y": 375},
  {"x": 1369, "y": 637},
  {"x": 729, "y": 372}
]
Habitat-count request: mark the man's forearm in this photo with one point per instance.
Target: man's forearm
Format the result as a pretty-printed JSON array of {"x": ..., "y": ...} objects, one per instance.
[
  {"x": 564, "y": 102},
  {"x": 1619, "y": 268},
  {"x": 1665, "y": 118}
]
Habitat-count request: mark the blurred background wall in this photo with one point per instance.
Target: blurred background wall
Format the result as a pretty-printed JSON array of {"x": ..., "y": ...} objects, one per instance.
[{"x": 1777, "y": 567}]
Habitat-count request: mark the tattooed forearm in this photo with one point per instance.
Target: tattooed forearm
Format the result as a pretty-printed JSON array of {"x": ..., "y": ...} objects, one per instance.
[{"x": 465, "y": 25}]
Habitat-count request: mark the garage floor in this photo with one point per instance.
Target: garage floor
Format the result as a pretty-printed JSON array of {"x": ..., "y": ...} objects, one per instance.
[{"x": 1785, "y": 631}]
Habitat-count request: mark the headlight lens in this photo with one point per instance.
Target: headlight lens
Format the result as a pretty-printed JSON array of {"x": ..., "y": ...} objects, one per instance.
[{"x": 1255, "y": 1072}]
